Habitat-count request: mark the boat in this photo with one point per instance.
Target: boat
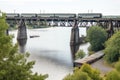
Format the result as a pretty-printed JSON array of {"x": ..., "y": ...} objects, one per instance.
[{"x": 33, "y": 36}]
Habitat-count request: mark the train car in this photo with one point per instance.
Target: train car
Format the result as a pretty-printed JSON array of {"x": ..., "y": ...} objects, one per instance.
[
  {"x": 63, "y": 15},
  {"x": 89, "y": 15},
  {"x": 12, "y": 15},
  {"x": 111, "y": 16},
  {"x": 45, "y": 15},
  {"x": 28, "y": 15}
]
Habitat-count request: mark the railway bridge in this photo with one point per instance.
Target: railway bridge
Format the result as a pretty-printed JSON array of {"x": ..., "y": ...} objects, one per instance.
[{"x": 110, "y": 23}]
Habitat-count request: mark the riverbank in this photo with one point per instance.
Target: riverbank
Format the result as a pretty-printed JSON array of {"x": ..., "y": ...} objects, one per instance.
[
  {"x": 102, "y": 66},
  {"x": 96, "y": 61},
  {"x": 89, "y": 59}
]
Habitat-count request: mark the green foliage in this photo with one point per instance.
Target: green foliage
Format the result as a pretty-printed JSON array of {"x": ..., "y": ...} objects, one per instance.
[
  {"x": 80, "y": 54},
  {"x": 117, "y": 66},
  {"x": 78, "y": 75},
  {"x": 84, "y": 73},
  {"x": 94, "y": 74},
  {"x": 13, "y": 65},
  {"x": 91, "y": 52},
  {"x": 111, "y": 54},
  {"x": 96, "y": 36},
  {"x": 112, "y": 50},
  {"x": 113, "y": 75}
]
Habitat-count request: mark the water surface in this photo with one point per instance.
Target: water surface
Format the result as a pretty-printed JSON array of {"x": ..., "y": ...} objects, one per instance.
[{"x": 51, "y": 51}]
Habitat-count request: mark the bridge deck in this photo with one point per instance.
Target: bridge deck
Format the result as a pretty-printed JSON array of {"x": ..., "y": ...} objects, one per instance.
[
  {"x": 90, "y": 59},
  {"x": 63, "y": 19}
]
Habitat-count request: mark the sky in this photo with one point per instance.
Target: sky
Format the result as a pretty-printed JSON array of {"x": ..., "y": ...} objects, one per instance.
[{"x": 106, "y": 7}]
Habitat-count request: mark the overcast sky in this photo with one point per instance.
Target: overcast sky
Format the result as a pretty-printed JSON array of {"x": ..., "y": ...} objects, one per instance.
[{"x": 107, "y": 7}]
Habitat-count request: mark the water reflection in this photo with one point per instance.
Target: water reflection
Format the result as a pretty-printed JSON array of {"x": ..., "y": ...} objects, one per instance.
[
  {"x": 22, "y": 43},
  {"x": 74, "y": 49}
]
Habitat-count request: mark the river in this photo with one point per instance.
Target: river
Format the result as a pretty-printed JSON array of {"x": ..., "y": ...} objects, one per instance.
[{"x": 51, "y": 51}]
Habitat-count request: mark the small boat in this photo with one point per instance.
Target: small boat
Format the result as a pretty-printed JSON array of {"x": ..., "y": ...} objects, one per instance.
[{"x": 33, "y": 36}]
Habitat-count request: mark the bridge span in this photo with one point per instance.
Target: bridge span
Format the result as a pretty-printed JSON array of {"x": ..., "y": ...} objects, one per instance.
[
  {"x": 110, "y": 23},
  {"x": 55, "y": 19}
]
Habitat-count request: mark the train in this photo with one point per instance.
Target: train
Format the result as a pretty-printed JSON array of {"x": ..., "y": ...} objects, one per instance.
[
  {"x": 89, "y": 15},
  {"x": 45, "y": 15},
  {"x": 50, "y": 15},
  {"x": 12, "y": 15},
  {"x": 111, "y": 16},
  {"x": 55, "y": 15},
  {"x": 30, "y": 15},
  {"x": 65, "y": 15}
]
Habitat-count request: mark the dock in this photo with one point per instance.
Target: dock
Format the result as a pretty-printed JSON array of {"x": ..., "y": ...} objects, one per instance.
[{"x": 90, "y": 59}]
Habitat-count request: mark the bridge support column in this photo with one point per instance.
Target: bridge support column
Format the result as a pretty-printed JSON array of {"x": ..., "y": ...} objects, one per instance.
[
  {"x": 22, "y": 32},
  {"x": 75, "y": 34},
  {"x": 118, "y": 25},
  {"x": 110, "y": 30}
]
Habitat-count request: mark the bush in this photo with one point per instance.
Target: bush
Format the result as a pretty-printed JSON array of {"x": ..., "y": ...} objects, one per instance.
[
  {"x": 113, "y": 75},
  {"x": 112, "y": 50},
  {"x": 91, "y": 52},
  {"x": 80, "y": 54},
  {"x": 86, "y": 72},
  {"x": 96, "y": 36},
  {"x": 117, "y": 66},
  {"x": 78, "y": 75},
  {"x": 94, "y": 74}
]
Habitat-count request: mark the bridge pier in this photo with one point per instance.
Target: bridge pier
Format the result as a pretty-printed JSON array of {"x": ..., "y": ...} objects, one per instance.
[
  {"x": 74, "y": 49},
  {"x": 75, "y": 35},
  {"x": 110, "y": 30},
  {"x": 118, "y": 25},
  {"x": 22, "y": 32}
]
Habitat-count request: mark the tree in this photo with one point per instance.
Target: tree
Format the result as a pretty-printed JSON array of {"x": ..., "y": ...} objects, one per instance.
[
  {"x": 86, "y": 72},
  {"x": 13, "y": 65},
  {"x": 112, "y": 50},
  {"x": 96, "y": 36}
]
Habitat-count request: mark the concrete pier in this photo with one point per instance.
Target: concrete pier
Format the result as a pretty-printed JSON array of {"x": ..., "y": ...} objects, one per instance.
[
  {"x": 75, "y": 34},
  {"x": 110, "y": 29},
  {"x": 22, "y": 32}
]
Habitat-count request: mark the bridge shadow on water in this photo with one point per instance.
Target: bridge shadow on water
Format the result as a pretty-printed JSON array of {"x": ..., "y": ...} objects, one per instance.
[
  {"x": 22, "y": 44},
  {"x": 74, "y": 49}
]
